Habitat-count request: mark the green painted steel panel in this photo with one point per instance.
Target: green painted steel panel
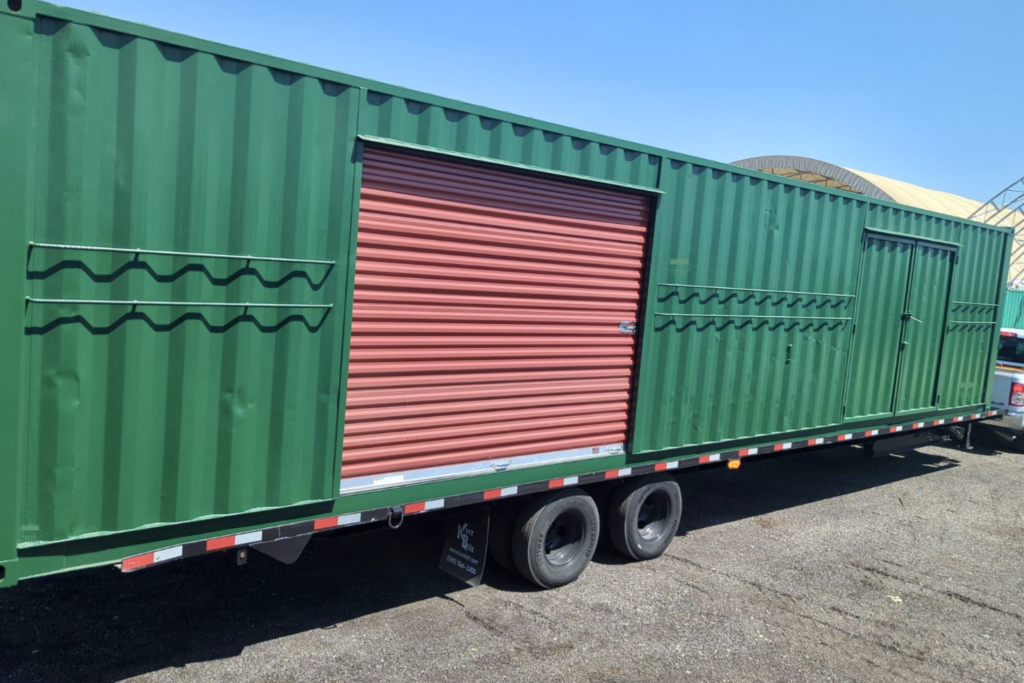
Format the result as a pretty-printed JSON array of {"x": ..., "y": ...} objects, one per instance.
[
  {"x": 16, "y": 178},
  {"x": 708, "y": 379},
  {"x": 924, "y": 327},
  {"x": 162, "y": 414},
  {"x": 1013, "y": 309},
  {"x": 881, "y": 300},
  {"x": 131, "y": 423}
]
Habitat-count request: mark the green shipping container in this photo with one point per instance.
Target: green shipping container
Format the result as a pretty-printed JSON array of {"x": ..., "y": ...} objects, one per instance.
[{"x": 181, "y": 222}]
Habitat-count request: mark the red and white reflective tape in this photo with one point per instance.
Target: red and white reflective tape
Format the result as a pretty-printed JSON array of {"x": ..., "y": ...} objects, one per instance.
[
  {"x": 335, "y": 522},
  {"x": 615, "y": 474},
  {"x": 306, "y": 527},
  {"x": 494, "y": 494}
]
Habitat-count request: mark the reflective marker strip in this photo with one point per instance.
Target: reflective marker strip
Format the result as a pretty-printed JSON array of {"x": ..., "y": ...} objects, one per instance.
[
  {"x": 499, "y": 493},
  {"x": 232, "y": 541},
  {"x": 871, "y": 432},
  {"x": 167, "y": 554},
  {"x": 614, "y": 474},
  {"x": 325, "y": 523},
  {"x": 332, "y": 522},
  {"x": 747, "y": 451},
  {"x": 302, "y": 528},
  {"x": 137, "y": 562}
]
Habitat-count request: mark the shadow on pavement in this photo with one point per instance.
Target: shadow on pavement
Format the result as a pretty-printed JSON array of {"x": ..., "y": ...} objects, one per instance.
[
  {"x": 99, "y": 625},
  {"x": 719, "y": 496}
]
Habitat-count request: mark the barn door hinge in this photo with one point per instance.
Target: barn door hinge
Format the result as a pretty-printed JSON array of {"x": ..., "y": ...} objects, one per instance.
[{"x": 627, "y": 327}]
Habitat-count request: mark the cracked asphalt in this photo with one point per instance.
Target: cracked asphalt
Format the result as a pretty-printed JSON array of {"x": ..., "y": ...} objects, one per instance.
[{"x": 825, "y": 566}]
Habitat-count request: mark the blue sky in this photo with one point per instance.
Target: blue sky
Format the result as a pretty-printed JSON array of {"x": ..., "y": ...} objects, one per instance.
[{"x": 923, "y": 91}]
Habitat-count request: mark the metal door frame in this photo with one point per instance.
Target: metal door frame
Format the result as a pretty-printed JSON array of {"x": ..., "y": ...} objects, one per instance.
[
  {"x": 955, "y": 251},
  {"x": 914, "y": 241}
]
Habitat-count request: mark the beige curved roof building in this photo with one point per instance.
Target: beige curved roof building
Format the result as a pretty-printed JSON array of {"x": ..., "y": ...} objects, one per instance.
[
  {"x": 870, "y": 184},
  {"x": 880, "y": 187}
]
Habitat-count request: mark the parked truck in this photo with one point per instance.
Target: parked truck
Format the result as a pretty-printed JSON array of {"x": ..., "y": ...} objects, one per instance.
[
  {"x": 246, "y": 300},
  {"x": 1008, "y": 384}
]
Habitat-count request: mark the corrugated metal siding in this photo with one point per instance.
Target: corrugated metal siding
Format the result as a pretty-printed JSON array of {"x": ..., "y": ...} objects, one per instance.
[
  {"x": 456, "y": 130},
  {"x": 707, "y": 379},
  {"x": 882, "y": 292},
  {"x": 195, "y": 411},
  {"x": 924, "y": 334},
  {"x": 1013, "y": 309},
  {"x": 711, "y": 372},
  {"x": 968, "y": 352},
  {"x": 486, "y": 315}
]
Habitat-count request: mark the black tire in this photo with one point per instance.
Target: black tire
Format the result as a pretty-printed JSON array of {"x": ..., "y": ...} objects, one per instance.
[
  {"x": 499, "y": 541},
  {"x": 644, "y": 516},
  {"x": 555, "y": 537}
]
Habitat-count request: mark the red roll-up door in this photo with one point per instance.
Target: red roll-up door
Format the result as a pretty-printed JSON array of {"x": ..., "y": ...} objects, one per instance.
[{"x": 486, "y": 316}]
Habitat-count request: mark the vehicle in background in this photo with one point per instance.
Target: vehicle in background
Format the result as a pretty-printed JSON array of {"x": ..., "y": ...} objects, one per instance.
[{"x": 1008, "y": 387}]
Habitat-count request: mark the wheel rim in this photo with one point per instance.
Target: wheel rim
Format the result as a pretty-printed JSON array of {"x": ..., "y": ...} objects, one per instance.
[
  {"x": 564, "y": 538},
  {"x": 652, "y": 518}
]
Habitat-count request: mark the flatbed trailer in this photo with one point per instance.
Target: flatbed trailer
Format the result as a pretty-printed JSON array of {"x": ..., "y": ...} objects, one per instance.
[{"x": 246, "y": 300}]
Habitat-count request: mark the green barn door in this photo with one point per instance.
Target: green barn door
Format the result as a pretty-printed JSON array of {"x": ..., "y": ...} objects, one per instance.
[
  {"x": 924, "y": 327},
  {"x": 881, "y": 300}
]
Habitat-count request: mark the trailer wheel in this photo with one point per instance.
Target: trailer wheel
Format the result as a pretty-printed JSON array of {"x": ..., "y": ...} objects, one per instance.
[
  {"x": 644, "y": 516},
  {"x": 555, "y": 537}
]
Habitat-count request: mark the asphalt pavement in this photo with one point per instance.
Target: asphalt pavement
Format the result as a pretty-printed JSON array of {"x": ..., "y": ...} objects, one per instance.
[{"x": 823, "y": 566}]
